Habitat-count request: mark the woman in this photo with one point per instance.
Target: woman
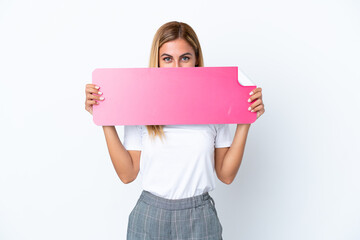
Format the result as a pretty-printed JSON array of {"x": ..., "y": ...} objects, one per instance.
[{"x": 178, "y": 172}]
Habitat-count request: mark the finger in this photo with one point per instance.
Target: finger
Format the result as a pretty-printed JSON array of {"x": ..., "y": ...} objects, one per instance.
[
  {"x": 90, "y": 85},
  {"x": 258, "y": 108},
  {"x": 255, "y": 91},
  {"x": 256, "y": 103},
  {"x": 90, "y": 96},
  {"x": 89, "y": 109},
  {"x": 92, "y": 90},
  {"x": 89, "y": 103},
  {"x": 259, "y": 113},
  {"x": 255, "y": 96}
]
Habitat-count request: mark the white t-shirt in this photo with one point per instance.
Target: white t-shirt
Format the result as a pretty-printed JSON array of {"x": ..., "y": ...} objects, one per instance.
[{"x": 182, "y": 165}]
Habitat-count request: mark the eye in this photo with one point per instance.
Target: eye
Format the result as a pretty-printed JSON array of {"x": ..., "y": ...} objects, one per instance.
[
  {"x": 187, "y": 58},
  {"x": 166, "y": 58}
]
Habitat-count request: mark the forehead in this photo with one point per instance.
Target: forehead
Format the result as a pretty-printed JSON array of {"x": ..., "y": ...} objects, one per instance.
[{"x": 176, "y": 47}]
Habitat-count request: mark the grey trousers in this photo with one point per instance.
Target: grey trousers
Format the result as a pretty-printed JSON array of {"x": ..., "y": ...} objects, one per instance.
[{"x": 154, "y": 217}]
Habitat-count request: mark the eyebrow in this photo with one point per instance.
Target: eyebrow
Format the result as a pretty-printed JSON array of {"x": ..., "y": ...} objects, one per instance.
[{"x": 180, "y": 56}]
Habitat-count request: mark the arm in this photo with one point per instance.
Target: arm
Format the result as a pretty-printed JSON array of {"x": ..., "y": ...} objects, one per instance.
[
  {"x": 120, "y": 157},
  {"x": 228, "y": 160}
]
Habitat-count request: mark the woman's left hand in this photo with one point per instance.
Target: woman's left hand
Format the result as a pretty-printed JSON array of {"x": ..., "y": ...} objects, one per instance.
[{"x": 258, "y": 105}]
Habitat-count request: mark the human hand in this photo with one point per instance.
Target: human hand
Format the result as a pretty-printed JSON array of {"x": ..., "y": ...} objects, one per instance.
[
  {"x": 258, "y": 105},
  {"x": 90, "y": 100}
]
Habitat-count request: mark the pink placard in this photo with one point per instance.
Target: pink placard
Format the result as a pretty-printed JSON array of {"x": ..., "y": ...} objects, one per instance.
[{"x": 170, "y": 96}]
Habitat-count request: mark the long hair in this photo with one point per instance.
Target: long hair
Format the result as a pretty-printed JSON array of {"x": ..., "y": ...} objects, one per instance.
[{"x": 168, "y": 32}]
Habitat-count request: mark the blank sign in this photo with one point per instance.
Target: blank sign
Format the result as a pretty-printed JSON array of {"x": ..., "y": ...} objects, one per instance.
[{"x": 170, "y": 96}]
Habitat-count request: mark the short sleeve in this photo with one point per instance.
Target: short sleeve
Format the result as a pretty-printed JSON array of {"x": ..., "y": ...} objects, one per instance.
[
  {"x": 223, "y": 136},
  {"x": 132, "y": 137}
]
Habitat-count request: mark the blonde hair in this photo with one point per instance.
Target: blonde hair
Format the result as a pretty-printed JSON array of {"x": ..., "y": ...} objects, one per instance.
[{"x": 168, "y": 32}]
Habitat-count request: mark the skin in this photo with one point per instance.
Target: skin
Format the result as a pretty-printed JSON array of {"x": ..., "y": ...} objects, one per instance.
[{"x": 176, "y": 53}]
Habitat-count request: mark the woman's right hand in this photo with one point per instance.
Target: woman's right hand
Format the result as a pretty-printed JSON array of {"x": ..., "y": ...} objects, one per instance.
[{"x": 90, "y": 91}]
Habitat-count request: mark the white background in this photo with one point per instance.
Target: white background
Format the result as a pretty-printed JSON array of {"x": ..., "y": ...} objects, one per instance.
[{"x": 299, "y": 178}]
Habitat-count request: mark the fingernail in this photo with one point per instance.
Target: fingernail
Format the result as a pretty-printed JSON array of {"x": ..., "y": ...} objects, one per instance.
[
  {"x": 249, "y": 108},
  {"x": 99, "y": 93},
  {"x": 249, "y": 100},
  {"x": 251, "y": 93},
  {"x": 97, "y": 87},
  {"x": 101, "y": 98},
  {"x": 252, "y": 110}
]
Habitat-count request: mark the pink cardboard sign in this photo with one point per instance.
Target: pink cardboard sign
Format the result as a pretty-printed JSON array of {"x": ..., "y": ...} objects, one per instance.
[{"x": 170, "y": 96}]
